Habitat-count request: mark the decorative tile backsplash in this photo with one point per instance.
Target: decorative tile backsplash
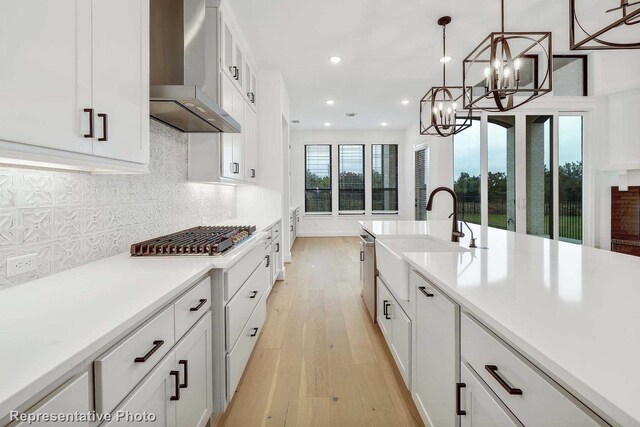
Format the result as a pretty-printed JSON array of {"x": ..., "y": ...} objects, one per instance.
[{"x": 71, "y": 218}]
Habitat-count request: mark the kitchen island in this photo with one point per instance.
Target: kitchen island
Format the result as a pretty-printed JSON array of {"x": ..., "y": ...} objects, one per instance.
[{"x": 570, "y": 310}]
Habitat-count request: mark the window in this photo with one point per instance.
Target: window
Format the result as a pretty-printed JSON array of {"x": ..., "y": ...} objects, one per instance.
[
  {"x": 570, "y": 136},
  {"x": 318, "y": 178},
  {"x": 570, "y": 75},
  {"x": 351, "y": 178},
  {"x": 421, "y": 176},
  {"x": 466, "y": 172},
  {"x": 501, "y": 171},
  {"x": 384, "y": 178}
]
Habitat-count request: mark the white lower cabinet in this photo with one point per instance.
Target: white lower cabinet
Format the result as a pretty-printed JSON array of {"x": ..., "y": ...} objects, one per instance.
[
  {"x": 195, "y": 360},
  {"x": 178, "y": 391},
  {"x": 437, "y": 354},
  {"x": 477, "y": 405},
  {"x": 396, "y": 328},
  {"x": 238, "y": 357},
  {"x": 532, "y": 398},
  {"x": 69, "y": 398}
]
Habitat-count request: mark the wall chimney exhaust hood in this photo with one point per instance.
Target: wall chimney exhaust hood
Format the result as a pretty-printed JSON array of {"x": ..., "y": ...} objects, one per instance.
[{"x": 183, "y": 92}]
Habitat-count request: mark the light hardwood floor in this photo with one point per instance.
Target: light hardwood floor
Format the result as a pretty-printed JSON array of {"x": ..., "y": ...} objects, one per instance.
[{"x": 320, "y": 361}]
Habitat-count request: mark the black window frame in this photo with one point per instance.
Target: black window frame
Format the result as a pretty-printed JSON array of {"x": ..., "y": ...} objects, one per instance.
[
  {"x": 585, "y": 69},
  {"x": 395, "y": 189},
  {"x": 364, "y": 182},
  {"x": 317, "y": 190}
]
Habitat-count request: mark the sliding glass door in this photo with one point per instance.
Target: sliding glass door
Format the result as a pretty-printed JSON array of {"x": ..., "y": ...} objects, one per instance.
[
  {"x": 522, "y": 172},
  {"x": 501, "y": 172}
]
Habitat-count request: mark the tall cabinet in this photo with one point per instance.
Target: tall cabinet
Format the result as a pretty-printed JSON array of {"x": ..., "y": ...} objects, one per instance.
[
  {"x": 234, "y": 158},
  {"x": 74, "y": 83}
]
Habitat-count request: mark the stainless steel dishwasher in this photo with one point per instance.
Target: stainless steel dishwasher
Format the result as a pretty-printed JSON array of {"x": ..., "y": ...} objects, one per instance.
[{"x": 368, "y": 272}]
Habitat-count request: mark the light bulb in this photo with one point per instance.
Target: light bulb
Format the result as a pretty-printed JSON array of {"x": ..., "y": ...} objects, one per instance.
[
  {"x": 517, "y": 63},
  {"x": 435, "y": 110},
  {"x": 449, "y": 110},
  {"x": 455, "y": 106},
  {"x": 440, "y": 106},
  {"x": 487, "y": 72},
  {"x": 496, "y": 64},
  {"x": 506, "y": 72}
]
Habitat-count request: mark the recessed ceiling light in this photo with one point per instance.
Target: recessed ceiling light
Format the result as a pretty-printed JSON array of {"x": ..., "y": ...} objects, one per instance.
[
  {"x": 445, "y": 59},
  {"x": 384, "y": 124},
  {"x": 330, "y": 102},
  {"x": 327, "y": 124},
  {"x": 405, "y": 102},
  {"x": 335, "y": 59}
]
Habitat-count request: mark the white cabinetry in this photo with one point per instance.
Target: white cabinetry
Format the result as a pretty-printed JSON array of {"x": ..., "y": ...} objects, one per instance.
[
  {"x": 74, "y": 87},
  {"x": 229, "y": 158},
  {"x": 71, "y": 397},
  {"x": 437, "y": 354},
  {"x": 531, "y": 397},
  {"x": 478, "y": 406},
  {"x": 178, "y": 391},
  {"x": 396, "y": 328},
  {"x": 232, "y": 164}
]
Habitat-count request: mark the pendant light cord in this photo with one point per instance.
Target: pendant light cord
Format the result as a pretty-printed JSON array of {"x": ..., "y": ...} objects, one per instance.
[
  {"x": 444, "y": 55},
  {"x": 502, "y": 19}
]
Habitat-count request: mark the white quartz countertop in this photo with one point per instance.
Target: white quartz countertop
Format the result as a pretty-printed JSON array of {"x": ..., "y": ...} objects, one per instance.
[
  {"x": 571, "y": 309},
  {"x": 50, "y": 325}
]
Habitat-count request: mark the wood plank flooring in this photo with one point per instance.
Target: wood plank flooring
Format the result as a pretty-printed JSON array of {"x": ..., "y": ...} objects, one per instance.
[{"x": 320, "y": 361}]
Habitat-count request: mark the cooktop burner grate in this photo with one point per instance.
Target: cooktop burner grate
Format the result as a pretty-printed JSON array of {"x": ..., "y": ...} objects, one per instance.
[{"x": 203, "y": 240}]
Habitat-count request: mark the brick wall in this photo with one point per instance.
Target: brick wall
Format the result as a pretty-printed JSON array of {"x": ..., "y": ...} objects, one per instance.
[{"x": 625, "y": 220}]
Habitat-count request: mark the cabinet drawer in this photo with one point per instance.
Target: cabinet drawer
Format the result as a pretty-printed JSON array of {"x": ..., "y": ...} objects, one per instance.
[
  {"x": 533, "y": 399},
  {"x": 117, "y": 372},
  {"x": 235, "y": 277},
  {"x": 239, "y": 356},
  {"x": 191, "y": 306},
  {"x": 239, "y": 309},
  {"x": 276, "y": 230},
  {"x": 71, "y": 397}
]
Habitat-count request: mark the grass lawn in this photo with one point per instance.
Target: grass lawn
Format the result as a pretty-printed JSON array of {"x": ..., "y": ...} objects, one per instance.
[{"x": 570, "y": 225}]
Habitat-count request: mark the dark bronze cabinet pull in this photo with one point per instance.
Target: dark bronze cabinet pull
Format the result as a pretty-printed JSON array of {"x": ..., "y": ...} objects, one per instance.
[
  {"x": 90, "y": 134},
  {"x": 362, "y": 256},
  {"x": 105, "y": 126},
  {"x": 268, "y": 258},
  {"x": 493, "y": 370},
  {"x": 424, "y": 291},
  {"x": 459, "y": 411},
  {"x": 253, "y": 294},
  {"x": 199, "y": 306},
  {"x": 177, "y": 392},
  {"x": 385, "y": 309},
  {"x": 186, "y": 373},
  {"x": 253, "y": 173},
  {"x": 255, "y": 332},
  {"x": 277, "y": 247},
  {"x": 156, "y": 345}
]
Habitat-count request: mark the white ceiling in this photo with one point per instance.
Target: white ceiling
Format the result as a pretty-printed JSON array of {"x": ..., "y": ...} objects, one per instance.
[{"x": 390, "y": 50}]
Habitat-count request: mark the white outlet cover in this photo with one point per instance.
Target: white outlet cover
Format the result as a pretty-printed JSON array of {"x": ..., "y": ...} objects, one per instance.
[{"x": 22, "y": 264}]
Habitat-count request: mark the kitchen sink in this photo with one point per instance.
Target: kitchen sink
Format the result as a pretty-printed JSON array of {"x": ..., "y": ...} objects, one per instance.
[{"x": 394, "y": 270}]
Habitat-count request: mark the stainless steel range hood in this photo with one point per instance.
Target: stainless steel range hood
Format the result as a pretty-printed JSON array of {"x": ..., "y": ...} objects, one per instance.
[{"x": 183, "y": 90}]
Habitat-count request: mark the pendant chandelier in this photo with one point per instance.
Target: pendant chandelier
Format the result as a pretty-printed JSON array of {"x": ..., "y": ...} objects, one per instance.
[
  {"x": 508, "y": 69},
  {"x": 614, "y": 35},
  {"x": 440, "y": 109}
]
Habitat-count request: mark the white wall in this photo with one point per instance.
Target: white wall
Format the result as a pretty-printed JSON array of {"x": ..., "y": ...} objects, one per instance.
[
  {"x": 71, "y": 218},
  {"x": 345, "y": 225}
]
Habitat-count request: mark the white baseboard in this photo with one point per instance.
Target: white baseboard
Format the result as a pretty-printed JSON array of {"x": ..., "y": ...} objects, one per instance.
[{"x": 329, "y": 234}]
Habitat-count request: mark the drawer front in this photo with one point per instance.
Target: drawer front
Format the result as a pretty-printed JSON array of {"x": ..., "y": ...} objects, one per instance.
[
  {"x": 235, "y": 277},
  {"x": 117, "y": 372},
  {"x": 239, "y": 356},
  {"x": 533, "y": 399},
  {"x": 276, "y": 230},
  {"x": 239, "y": 309},
  {"x": 191, "y": 306}
]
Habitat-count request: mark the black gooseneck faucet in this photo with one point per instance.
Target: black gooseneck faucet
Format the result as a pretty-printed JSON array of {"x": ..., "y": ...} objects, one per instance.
[{"x": 455, "y": 232}]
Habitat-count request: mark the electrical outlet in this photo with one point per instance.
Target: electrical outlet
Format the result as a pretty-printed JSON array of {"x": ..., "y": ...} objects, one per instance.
[{"x": 22, "y": 264}]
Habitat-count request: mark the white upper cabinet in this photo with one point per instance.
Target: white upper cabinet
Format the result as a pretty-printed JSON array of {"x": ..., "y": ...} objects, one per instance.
[
  {"x": 250, "y": 130},
  {"x": 45, "y": 73},
  {"x": 74, "y": 83},
  {"x": 232, "y": 163},
  {"x": 121, "y": 79}
]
